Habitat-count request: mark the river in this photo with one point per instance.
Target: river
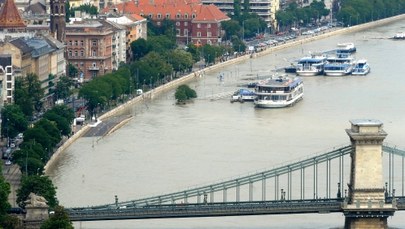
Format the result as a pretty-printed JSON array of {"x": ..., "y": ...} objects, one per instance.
[{"x": 167, "y": 148}]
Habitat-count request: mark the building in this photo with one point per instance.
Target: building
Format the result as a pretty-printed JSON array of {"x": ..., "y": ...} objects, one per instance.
[
  {"x": 89, "y": 47},
  {"x": 119, "y": 46},
  {"x": 58, "y": 19},
  {"x": 6, "y": 80},
  {"x": 195, "y": 23},
  {"x": 135, "y": 27},
  {"x": 266, "y": 9},
  {"x": 42, "y": 56}
]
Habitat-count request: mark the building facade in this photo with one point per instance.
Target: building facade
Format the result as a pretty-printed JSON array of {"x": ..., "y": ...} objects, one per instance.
[
  {"x": 266, "y": 9},
  {"x": 135, "y": 28},
  {"x": 194, "y": 22},
  {"x": 89, "y": 47},
  {"x": 6, "y": 80}
]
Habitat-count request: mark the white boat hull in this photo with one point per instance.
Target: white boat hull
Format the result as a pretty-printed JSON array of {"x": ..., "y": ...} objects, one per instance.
[
  {"x": 277, "y": 104},
  {"x": 308, "y": 73},
  {"x": 360, "y": 73}
]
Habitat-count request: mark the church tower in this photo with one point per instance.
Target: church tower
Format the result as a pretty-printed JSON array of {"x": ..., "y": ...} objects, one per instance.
[{"x": 58, "y": 17}]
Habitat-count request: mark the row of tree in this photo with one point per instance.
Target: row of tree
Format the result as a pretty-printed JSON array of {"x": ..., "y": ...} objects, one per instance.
[
  {"x": 349, "y": 12},
  {"x": 355, "y": 12}
]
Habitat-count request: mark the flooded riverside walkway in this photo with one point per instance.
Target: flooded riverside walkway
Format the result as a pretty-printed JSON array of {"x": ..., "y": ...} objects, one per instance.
[{"x": 166, "y": 148}]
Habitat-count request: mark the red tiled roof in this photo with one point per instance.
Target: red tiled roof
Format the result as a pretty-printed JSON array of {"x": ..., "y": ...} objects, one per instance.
[
  {"x": 10, "y": 17},
  {"x": 171, "y": 7}
]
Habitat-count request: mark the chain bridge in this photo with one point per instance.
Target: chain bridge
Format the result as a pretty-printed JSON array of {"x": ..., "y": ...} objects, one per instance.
[{"x": 363, "y": 180}]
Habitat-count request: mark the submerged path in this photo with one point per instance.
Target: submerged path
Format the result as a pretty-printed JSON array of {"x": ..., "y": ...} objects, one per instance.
[{"x": 106, "y": 126}]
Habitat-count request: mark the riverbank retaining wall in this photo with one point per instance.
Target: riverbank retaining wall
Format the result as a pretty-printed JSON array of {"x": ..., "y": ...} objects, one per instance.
[{"x": 201, "y": 73}]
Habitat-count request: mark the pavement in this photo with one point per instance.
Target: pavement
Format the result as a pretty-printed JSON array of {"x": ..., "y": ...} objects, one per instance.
[
  {"x": 12, "y": 175},
  {"x": 102, "y": 128}
]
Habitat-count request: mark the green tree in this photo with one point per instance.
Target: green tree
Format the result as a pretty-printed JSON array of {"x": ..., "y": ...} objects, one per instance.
[
  {"x": 35, "y": 90},
  {"x": 4, "y": 192},
  {"x": 140, "y": 47},
  {"x": 62, "y": 89},
  {"x": 180, "y": 60},
  {"x": 40, "y": 185},
  {"x": 59, "y": 219},
  {"x": 231, "y": 27},
  {"x": 22, "y": 98},
  {"x": 87, "y": 8},
  {"x": 183, "y": 93},
  {"x": 13, "y": 121},
  {"x": 72, "y": 71}
]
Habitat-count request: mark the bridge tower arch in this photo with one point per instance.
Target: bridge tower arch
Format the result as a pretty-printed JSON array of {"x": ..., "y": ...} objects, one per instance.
[{"x": 365, "y": 206}]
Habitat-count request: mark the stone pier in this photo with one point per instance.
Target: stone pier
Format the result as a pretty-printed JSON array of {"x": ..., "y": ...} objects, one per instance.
[{"x": 365, "y": 206}]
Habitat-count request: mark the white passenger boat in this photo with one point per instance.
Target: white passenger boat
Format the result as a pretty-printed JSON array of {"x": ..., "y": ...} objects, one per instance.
[
  {"x": 361, "y": 67},
  {"x": 399, "y": 36},
  {"x": 348, "y": 47},
  {"x": 311, "y": 65},
  {"x": 243, "y": 95},
  {"x": 339, "y": 65},
  {"x": 279, "y": 92}
]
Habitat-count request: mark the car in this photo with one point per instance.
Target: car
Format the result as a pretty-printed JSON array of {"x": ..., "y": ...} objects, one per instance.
[
  {"x": 20, "y": 135},
  {"x": 8, "y": 162}
]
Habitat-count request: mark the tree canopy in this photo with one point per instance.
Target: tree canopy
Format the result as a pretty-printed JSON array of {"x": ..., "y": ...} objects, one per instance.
[{"x": 40, "y": 185}]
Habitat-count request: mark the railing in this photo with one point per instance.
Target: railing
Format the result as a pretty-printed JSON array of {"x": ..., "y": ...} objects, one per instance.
[
  {"x": 165, "y": 206},
  {"x": 208, "y": 210}
]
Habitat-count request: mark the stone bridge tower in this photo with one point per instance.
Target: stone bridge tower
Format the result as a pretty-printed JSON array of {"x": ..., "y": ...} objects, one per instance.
[{"x": 365, "y": 206}]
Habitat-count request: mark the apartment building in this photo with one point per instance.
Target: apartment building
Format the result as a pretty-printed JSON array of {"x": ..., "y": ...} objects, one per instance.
[
  {"x": 264, "y": 8},
  {"x": 89, "y": 47}
]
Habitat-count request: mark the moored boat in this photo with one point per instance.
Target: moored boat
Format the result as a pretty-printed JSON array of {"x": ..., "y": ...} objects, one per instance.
[
  {"x": 339, "y": 65},
  {"x": 348, "y": 47},
  {"x": 279, "y": 92},
  {"x": 243, "y": 95},
  {"x": 311, "y": 65},
  {"x": 361, "y": 67},
  {"x": 399, "y": 36}
]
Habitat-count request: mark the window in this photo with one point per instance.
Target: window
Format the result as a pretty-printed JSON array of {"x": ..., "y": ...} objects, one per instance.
[
  {"x": 209, "y": 34},
  {"x": 76, "y": 43},
  {"x": 94, "y": 53},
  {"x": 82, "y": 43},
  {"x": 178, "y": 16},
  {"x": 167, "y": 16},
  {"x": 94, "y": 64},
  {"x": 198, "y": 34},
  {"x": 70, "y": 53},
  {"x": 81, "y": 53},
  {"x": 159, "y": 16},
  {"x": 185, "y": 23},
  {"x": 8, "y": 85},
  {"x": 198, "y": 25},
  {"x": 178, "y": 23},
  {"x": 8, "y": 77},
  {"x": 177, "y": 32},
  {"x": 208, "y": 25},
  {"x": 76, "y": 53},
  {"x": 9, "y": 93},
  {"x": 185, "y": 16},
  {"x": 193, "y": 16},
  {"x": 81, "y": 64},
  {"x": 94, "y": 42},
  {"x": 70, "y": 43},
  {"x": 186, "y": 32},
  {"x": 150, "y": 15},
  {"x": 158, "y": 23}
]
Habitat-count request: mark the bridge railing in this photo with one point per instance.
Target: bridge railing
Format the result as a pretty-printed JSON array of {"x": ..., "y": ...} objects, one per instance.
[{"x": 201, "y": 193}]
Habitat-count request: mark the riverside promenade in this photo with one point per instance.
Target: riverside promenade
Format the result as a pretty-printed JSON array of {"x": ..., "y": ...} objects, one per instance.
[{"x": 147, "y": 96}]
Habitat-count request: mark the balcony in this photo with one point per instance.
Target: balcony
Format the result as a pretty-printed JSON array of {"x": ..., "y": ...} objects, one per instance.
[{"x": 94, "y": 68}]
